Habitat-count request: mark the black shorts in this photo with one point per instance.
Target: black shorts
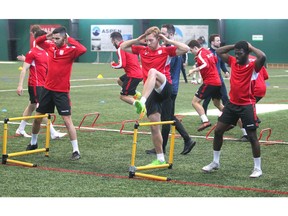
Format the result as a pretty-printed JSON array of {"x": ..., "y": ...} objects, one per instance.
[
  {"x": 129, "y": 85},
  {"x": 51, "y": 99},
  {"x": 205, "y": 91},
  {"x": 35, "y": 93},
  {"x": 247, "y": 113},
  {"x": 155, "y": 100}
]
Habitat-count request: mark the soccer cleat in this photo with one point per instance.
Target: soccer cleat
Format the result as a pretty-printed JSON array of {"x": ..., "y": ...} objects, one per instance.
[
  {"x": 188, "y": 146},
  {"x": 137, "y": 95},
  {"x": 256, "y": 173},
  {"x": 210, "y": 167},
  {"x": 22, "y": 133},
  {"x": 244, "y": 138},
  {"x": 58, "y": 135},
  {"x": 75, "y": 155},
  {"x": 204, "y": 125},
  {"x": 31, "y": 147},
  {"x": 140, "y": 108},
  {"x": 156, "y": 162}
]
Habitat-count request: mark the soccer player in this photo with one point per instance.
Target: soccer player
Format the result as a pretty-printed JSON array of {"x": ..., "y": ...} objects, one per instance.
[
  {"x": 259, "y": 93},
  {"x": 215, "y": 42},
  {"x": 56, "y": 93},
  {"x": 206, "y": 64},
  {"x": 133, "y": 72},
  {"x": 36, "y": 60},
  {"x": 242, "y": 101},
  {"x": 168, "y": 30},
  {"x": 157, "y": 80}
]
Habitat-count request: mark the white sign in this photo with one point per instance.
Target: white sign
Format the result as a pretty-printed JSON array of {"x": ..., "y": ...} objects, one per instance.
[
  {"x": 100, "y": 36},
  {"x": 186, "y": 33},
  {"x": 257, "y": 37}
]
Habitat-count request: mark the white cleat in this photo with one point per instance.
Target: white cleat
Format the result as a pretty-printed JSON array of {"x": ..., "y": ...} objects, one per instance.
[
  {"x": 58, "y": 135},
  {"x": 256, "y": 173},
  {"x": 22, "y": 133},
  {"x": 210, "y": 167}
]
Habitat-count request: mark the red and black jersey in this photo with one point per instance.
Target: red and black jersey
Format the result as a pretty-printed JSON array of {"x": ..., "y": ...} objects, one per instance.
[
  {"x": 129, "y": 62},
  {"x": 38, "y": 61},
  {"x": 60, "y": 62},
  {"x": 207, "y": 63},
  {"x": 158, "y": 59}
]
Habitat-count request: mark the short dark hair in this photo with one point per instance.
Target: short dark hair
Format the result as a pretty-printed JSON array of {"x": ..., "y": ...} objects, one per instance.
[
  {"x": 61, "y": 30},
  {"x": 194, "y": 43},
  {"x": 116, "y": 35},
  {"x": 212, "y": 37},
  {"x": 170, "y": 28},
  {"x": 242, "y": 45},
  {"x": 39, "y": 33}
]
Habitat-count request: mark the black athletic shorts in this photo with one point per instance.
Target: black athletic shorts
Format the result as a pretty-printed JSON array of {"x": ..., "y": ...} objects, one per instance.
[
  {"x": 51, "y": 99},
  {"x": 35, "y": 93},
  {"x": 129, "y": 85},
  {"x": 247, "y": 113},
  {"x": 154, "y": 101},
  {"x": 205, "y": 91}
]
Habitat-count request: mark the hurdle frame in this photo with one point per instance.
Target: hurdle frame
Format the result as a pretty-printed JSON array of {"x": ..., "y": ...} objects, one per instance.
[
  {"x": 133, "y": 169},
  {"x": 6, "y": 157}
]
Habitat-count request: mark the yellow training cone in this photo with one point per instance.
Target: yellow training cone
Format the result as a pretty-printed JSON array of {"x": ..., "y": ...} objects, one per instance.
[
  {"x": 99, "y": 76},
  {"x": 20, "y": 68}
]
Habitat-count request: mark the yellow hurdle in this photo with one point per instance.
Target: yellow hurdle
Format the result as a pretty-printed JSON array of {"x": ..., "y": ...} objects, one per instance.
[
  {"x": 133, "y": 168},
  {"x": 6, "y": 157}
]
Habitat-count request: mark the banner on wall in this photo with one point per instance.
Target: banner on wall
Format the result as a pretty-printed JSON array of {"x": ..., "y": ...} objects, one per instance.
[
  {"x": 47, "y": 28},
  {"x": 100, "y": 36},
  {"x": 186, "y": 33}
]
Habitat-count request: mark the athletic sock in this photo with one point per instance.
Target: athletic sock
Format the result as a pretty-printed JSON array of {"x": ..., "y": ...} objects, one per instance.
[
  {"x": 75, "y": 145},
  {"x": 34, "y": 138}
]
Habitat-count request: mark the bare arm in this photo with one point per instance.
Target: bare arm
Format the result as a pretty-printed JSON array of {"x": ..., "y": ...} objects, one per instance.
[
  {"x": 182, "y": 48},
  {"x": 126, "y": 45},
  {"x": 22, "y": 77},
  {"x": 223, "y": 52},
  {"x": 261, "y": 57}
]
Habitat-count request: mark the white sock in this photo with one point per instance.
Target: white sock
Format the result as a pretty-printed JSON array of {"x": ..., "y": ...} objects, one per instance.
[
  {"x": 161, "y": 157},
  {"x": 204, "y": 118},
  {"x": 22, "y": 125},
  {"x": 257, "y": 163},
  {"x": 75, "y": 145},
  {"x": 34, "y": 138},
  {"x": 52, "y": 130},
  {"x": 216, "y": 156},
  {"x": 133, "y": 103},
  {"x": 143, "y": 100},
  {"x": 244, "y": 131}
]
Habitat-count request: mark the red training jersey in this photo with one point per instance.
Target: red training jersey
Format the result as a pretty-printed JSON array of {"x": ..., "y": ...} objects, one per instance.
[
  {"x": 242, "y": 82},
  {"x": 129, "y": 62},
  {"x": 158, "y": 59},
  {"x": 38, "y": 61},
  {"x": 206, "y": 61},
  {"x": 260, "y": 85},
  {"x": 60, "y": 62}
]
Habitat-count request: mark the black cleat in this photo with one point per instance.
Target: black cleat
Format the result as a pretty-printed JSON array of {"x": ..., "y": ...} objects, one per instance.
[
  {"x": 188, "y": 147},
  {"x": 31, "y": 147},
  {"x": 75, "y": 155}
]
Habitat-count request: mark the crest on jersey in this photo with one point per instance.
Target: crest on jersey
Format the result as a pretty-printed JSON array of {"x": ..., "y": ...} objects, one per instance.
[{"x": 61, "y": 52}]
